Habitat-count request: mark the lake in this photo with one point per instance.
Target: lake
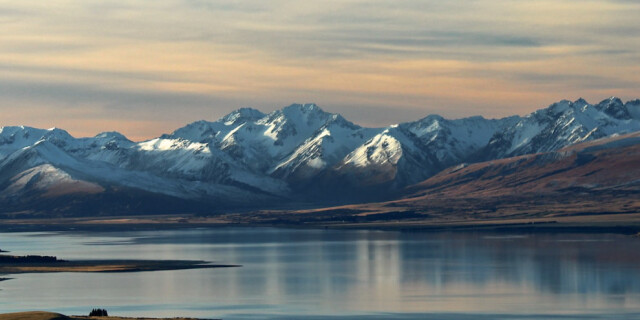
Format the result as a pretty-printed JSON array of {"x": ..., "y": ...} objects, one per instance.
[{"x": 337, "y": 274}]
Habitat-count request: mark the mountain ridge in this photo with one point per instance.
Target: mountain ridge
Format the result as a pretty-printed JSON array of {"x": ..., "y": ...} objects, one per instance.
[{"x": 297, "y": 153}]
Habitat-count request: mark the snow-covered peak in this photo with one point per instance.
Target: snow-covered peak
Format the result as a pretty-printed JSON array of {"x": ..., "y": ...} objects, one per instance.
[
  {"x": 430, "y": 118},
  {"x": 307, "y": 113},
  {"x": 323, "y": 149},
  {"x": 614, "y": 108},
  {"x": 425, "y": 125},
  {"x": 379, "y": 150},
  {"x": 287, "y": 128},
  {"x": 242, "y": 115},
  {"x": 30, "y": 132},
  {"x": 559, "y": 107},
  {"x": 13, "y": 131},
  {"x": 613, "y": 99},
  {"x": 304, "y": 108},
  {"x": 561, "y": 124},
  {"x": 18, "y": 137},
  {"x": 93, "y": 147},
  {"x": 453, "y": 140},
  {"x": 556, "y": 109},
  {"x": 111, "y": 135},
  {"x": 200, "y": 131},
  {"x": 580, "y": 103},
  {"x": 207, "y": 131},
  {"x": 633, "y": 107}
]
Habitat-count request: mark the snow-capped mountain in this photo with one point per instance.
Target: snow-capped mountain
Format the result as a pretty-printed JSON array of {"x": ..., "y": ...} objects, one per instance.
[
  {"x": 561, "y": 124},
  {"x": 298, "y": 152},
  {"x": 609, "y": 164}
]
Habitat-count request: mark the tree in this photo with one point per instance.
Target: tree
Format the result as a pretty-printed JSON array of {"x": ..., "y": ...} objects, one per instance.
[{"x": 98, "y": 313}]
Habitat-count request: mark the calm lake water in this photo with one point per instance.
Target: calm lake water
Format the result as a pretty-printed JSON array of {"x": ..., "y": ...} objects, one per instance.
[{"x": 332, "y": 274}]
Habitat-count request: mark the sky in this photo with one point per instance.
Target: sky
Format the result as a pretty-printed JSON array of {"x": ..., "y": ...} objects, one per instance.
[{"x": 144, "y": 68}]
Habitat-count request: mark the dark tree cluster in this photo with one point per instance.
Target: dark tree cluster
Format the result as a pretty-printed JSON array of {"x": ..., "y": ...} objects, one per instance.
[
  {"x": 98, "y": 313},
  {"x": 28, "y": 259}
]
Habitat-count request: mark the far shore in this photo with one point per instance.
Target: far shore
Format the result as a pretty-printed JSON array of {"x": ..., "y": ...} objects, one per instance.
[{"x": 627, "y": 223}]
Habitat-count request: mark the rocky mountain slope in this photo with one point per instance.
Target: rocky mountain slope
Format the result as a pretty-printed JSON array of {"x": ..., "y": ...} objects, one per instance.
[
  {"x": 589, "y": 183},
  {"x": 299, "y": 154},
  {"x": 611, "y": 163}
]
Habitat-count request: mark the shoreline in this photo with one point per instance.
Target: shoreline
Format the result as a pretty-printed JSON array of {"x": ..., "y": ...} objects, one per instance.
[
  {"x": 106, "y": 266},
  {"x": 627, "y": 224},
  {"x": 43, "y": 315}
]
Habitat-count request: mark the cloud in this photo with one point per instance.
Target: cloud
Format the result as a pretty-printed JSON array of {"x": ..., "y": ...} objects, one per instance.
[{"x": 377, "y": 61}]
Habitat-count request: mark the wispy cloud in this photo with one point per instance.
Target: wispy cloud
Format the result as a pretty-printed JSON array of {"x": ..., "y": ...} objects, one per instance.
[{"x": 379, "y": 62}]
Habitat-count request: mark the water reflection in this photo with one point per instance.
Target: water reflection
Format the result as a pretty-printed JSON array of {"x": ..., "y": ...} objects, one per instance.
[{"x": 339, "y": 273}]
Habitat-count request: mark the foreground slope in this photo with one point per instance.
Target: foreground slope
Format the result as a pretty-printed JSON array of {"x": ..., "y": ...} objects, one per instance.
[{"x": 33, "y": 315}]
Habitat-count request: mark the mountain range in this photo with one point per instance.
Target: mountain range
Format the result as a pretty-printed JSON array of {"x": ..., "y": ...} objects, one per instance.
[{"x": 297, "y": 156}]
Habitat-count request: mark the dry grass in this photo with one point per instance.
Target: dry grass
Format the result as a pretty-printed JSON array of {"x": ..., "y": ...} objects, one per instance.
[{"x": 33, "y": 315}]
